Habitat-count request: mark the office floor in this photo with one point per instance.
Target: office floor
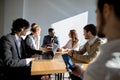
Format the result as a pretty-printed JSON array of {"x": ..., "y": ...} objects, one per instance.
[{"x": 66, "y": 76}]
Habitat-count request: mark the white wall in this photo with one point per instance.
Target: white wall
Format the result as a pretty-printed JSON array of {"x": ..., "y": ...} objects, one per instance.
[
  {"x": 13, "y": 9},
  {"x": 1, "y": 17},
  {"x": 46, "y": 12},
  {"x": 63, "y": 28}
]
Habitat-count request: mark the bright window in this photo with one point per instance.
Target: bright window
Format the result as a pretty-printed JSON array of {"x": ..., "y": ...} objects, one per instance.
[{"x": 63, "y": 27}]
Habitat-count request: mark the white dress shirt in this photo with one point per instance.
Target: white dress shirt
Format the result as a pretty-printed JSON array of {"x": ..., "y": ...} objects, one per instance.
[{"x": 18, "y": 39}]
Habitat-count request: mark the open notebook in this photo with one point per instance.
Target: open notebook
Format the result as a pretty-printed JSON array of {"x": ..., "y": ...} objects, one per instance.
[{"x": 49, "y": 54}]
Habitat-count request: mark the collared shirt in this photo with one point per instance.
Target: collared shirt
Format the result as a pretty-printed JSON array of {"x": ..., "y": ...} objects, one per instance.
[
  {"x": 92, "y": 41},
  {"x": 18, "y": 39},
  {"x": 92, "y": 51}
]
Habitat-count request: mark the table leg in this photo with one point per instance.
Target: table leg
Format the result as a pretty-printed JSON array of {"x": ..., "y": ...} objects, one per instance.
[{"x": 60, "y": 76}]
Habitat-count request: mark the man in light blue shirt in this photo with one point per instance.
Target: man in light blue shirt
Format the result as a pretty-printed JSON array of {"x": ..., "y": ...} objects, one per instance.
[{"x": 14, "y": 55}]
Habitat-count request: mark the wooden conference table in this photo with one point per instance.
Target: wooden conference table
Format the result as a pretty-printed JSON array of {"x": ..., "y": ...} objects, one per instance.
[{"x": 54, "y": 66}]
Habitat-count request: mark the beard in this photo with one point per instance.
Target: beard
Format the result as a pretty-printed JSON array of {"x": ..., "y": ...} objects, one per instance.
[
  {"x": 101, "y": 26},
  {"x": 87, "y": 37}
]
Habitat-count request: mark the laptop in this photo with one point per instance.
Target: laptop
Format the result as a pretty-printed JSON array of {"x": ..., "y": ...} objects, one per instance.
[
  {"x": 49, "y": 54},
  {"x": 68, "y": 62}
]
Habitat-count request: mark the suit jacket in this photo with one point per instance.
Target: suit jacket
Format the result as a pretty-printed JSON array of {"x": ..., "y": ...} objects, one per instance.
[
  {"x": 13, "y": 64},
  {"x": 47, "y": 40},
  {"x": 10, "y": 53},
  {"x": 92, "y": 50}
]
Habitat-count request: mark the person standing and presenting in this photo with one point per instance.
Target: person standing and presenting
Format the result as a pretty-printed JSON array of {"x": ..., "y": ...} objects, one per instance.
[
  {"x": 15, "y": 59},
  {"x": 107, "y": 64}
]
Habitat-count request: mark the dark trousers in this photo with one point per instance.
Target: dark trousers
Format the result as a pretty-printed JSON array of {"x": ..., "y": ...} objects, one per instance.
[
  {"x": 73, "y": 77},
  {"x": 19, "y": 74}
]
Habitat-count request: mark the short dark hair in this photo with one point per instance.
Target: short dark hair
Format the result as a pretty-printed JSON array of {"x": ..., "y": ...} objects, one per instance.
[
  {"x": 18, "y": 24},
  {"x": 114, "y": 3},
  {"x": 50, "y": 29},
  {"x": 91, "y": 28}
]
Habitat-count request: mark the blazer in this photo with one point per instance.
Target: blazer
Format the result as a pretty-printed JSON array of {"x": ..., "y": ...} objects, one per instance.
[
  {"x": 10, "y": 53},
  {"x": 92, "y": 50},
  {"x": 47, "y": 40},
  {"x": 12, "y": 64}
]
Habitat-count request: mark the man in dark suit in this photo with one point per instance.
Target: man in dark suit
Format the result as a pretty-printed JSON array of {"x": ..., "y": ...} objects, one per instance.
[
  {"x": 13, "y": 55},
  {"x": 50, "y": 39}
]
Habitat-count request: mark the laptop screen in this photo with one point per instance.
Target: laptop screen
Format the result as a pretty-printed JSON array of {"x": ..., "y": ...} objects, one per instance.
[
  {"x": 49, "y": 54},
  {"x": 68, "y": 62}
]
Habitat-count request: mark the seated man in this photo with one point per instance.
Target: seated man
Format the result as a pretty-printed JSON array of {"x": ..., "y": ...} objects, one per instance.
[
  {"x": 107, "y": 64},
  {"x": 90, "y": 49},
  {"x": 50, "y": 39},
  {"x": 14, "y": 56}
]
